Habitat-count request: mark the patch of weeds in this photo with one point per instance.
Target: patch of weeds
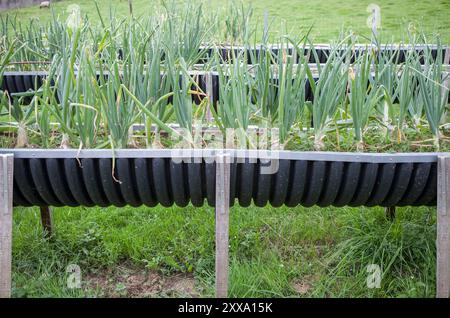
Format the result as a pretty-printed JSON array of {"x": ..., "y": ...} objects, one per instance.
[{"x": 404, "y": 251}]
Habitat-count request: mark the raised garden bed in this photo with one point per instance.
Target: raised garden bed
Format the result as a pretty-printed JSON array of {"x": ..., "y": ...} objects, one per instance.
[
  {"x": 23, "y": 81},
  {"x": 398, "y": 53},
  {"x": 151, "y": 177},
  {"x": 70, "y": 177},
  {"x": 318, "y": 53}
]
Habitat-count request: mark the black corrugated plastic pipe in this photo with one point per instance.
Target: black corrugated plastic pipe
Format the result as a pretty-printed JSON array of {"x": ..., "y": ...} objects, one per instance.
[{"x": 152, "y": 176}]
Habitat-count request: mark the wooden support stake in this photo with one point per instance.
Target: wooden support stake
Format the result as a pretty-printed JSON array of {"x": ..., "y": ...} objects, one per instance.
[
  {"x": 390, "y": 213},
  {"x": 443, "y": 228},
  {"x": 210, "y": 93},
  {"x": 447, "y": 56},
  {"x": 47, "y": 222},
  {"x": 6, "y": 208},
  {"x": 222, "y": 223}
]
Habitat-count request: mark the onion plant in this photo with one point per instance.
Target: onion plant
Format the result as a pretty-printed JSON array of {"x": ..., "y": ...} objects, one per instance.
[
  {"x": 6, "y": 55},
  {"x": 155, "y": 81},
  {"x": 14, "y": 107},
  {"x": 386, "y": 72},
  {"x": 65, "y": 82},
  {"x": 406, "y": 88},
  {"x": 184, "y": 34},
  {"x": 364, "y": 95},
  {"x": 182, "y": 99},
  {"x": 25, "y": 39},
  {"x": 264, "y": 92},
  {"x": 118, "y": 111},
  {"x": 86, "y": 110},
  {"x": 292, "y": 79},
  {"x": 142, "y": 71},
  {"x": 329, "y": 91},
  {"x": 235, "y": 98},
  {"x": 434, "y": 90},
  {"x": 416, "y": 108},
  {"x": 42, "y": 108},
  {"x": 237, "y": 22},
  {"x": 22, "y": 115}
]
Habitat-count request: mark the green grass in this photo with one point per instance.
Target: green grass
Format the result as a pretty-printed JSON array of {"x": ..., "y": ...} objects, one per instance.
[
  {"x": 274, "y": 252},
  {"x": 327, "y": 16}
]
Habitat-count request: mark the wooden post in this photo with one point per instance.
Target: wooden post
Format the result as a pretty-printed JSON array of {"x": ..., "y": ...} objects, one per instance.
[
  {"x": 374, "y": 21},
  {"x": 6, "y": 208},
  {"x": 130, "y": 6},
  {"x": 47, "y": 222},
  {"x": 443, "y": 228},
  {"x": 222, "y": 223},
  {"x": 210, "y": 93},
  {"x": 447, "y": 56},
  {"x": 390, "y": 213}
]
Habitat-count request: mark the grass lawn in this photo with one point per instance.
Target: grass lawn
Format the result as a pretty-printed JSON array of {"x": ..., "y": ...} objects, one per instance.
[
  {"x": 283, "y": 252},
  {"x": 327, "y": 16}
]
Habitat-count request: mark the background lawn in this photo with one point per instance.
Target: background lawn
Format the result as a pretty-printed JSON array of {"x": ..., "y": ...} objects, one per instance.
[
  {"x": 328, "y": 17},
  {"x": 280, "y": 252}
]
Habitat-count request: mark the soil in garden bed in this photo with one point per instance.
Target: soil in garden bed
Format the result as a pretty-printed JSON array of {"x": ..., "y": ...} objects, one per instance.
[{"x": 376, "y": 140}]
